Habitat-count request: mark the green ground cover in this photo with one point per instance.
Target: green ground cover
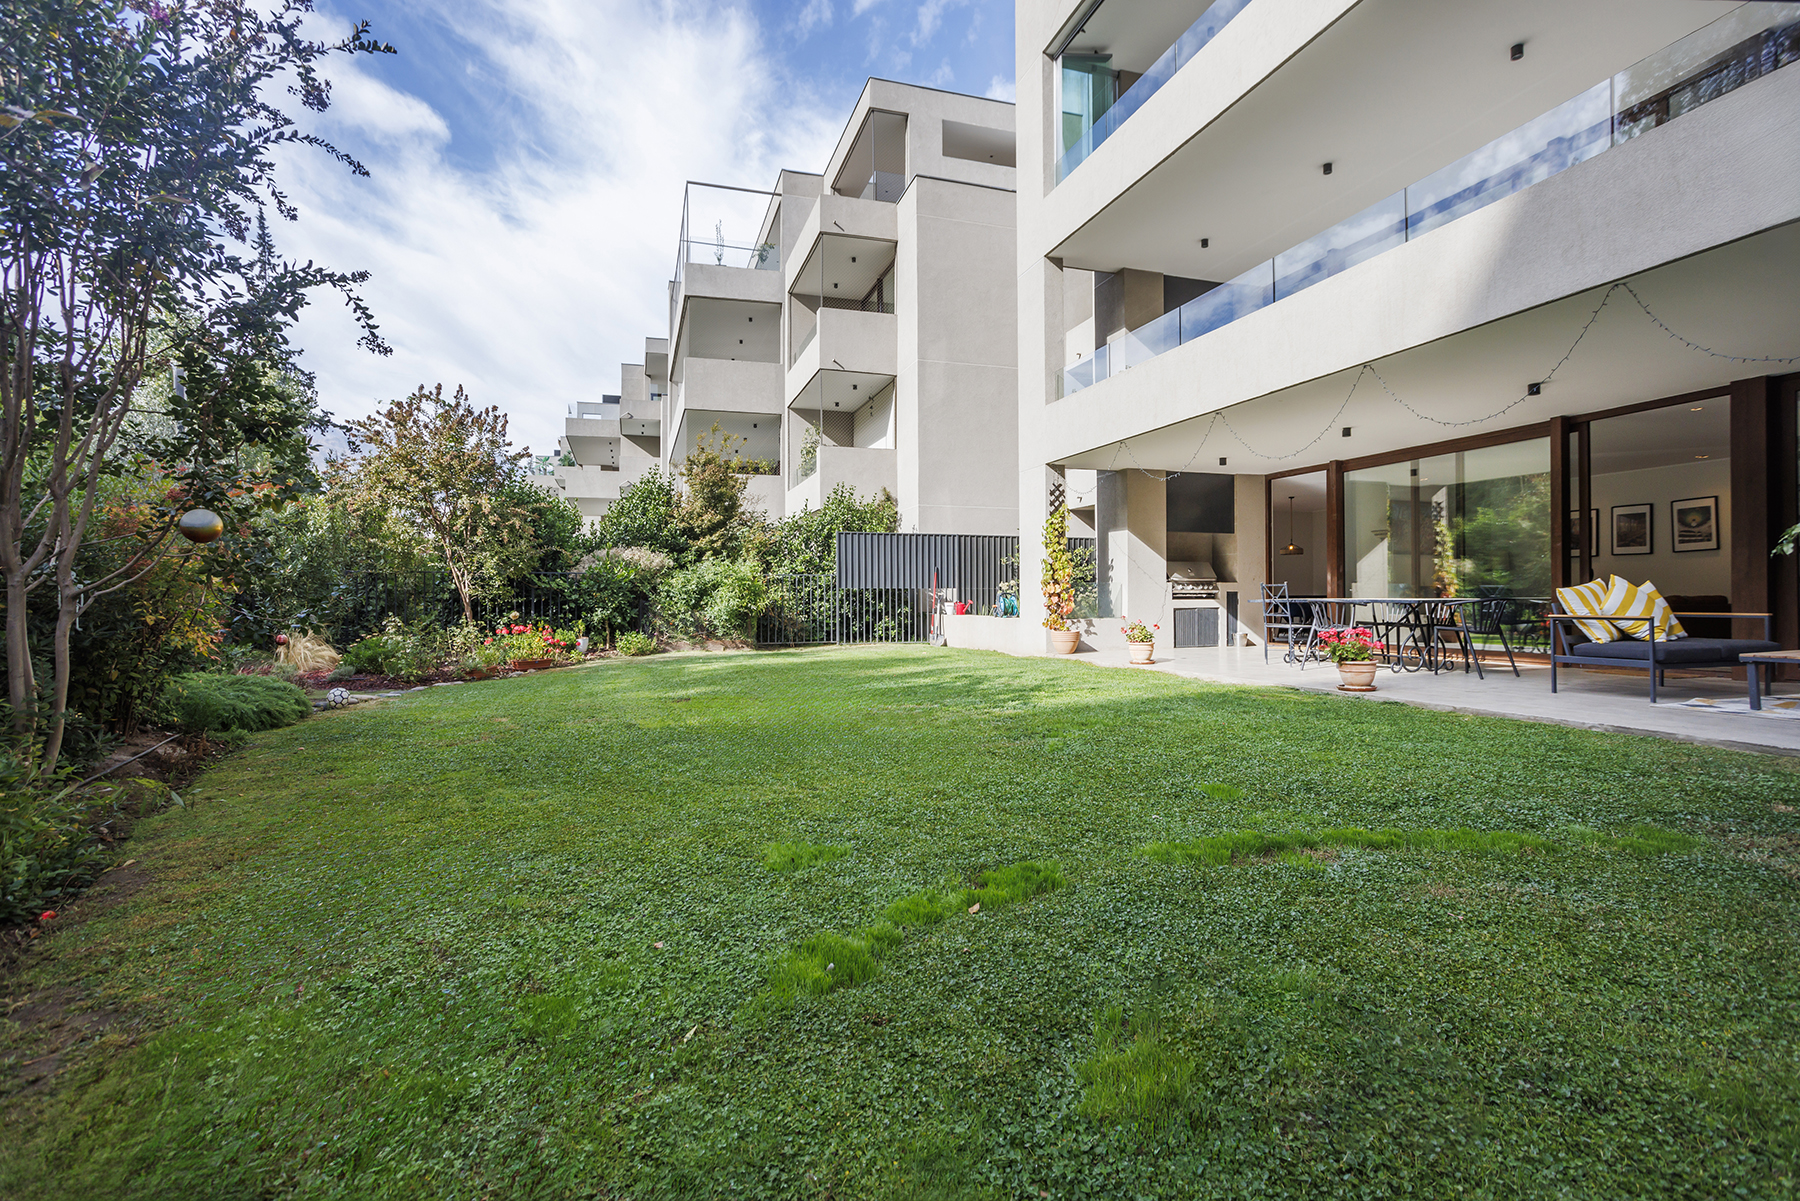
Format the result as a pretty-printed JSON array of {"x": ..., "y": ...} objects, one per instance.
[{"x": 701, "y": 926}]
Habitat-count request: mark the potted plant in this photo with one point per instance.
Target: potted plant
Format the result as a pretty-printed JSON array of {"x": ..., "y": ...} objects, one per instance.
[
  {"x": 1141, "y": 639},
  {"x": 1059, "y": 584},
  {"x": 1353, "y": 650}
]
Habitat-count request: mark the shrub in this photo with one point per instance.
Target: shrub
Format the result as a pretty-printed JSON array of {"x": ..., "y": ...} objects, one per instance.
[
  {"x": 220, "y": 703},
  {"x": 306, "y": 652},
  {"x": 714, "y": 598},
  {"x": 633, "y": 643},
  {"x": 402, "y": 651}
]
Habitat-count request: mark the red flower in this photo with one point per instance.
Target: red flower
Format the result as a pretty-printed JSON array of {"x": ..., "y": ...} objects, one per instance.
[{"x": 48, "y": 915}]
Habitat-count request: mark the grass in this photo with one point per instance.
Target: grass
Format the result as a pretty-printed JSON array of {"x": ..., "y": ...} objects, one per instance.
[{"x": 587, "y": 934}]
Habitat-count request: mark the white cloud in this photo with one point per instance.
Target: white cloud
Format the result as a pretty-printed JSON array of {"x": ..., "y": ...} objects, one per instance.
[
  {"x": 862, "y": 6},
  {"x": 531, "y": 280},
  {"x": 931, "y": 16},
  {"x": 1002, "y": 89},
  {"x": 816, "y": 14}
]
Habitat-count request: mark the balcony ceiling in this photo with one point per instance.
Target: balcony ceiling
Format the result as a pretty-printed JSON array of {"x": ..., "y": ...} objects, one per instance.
[
  {"x": 1738, "y": 299},
  {"x": 1392, "y": 92},
  {"x": 758, "y": 434},
  {"x": 1136, "y": 32},
  {"x": 732, "y": 329},
  {"x": 839, "y": 391},
  {"x": 845, "y": 268}
]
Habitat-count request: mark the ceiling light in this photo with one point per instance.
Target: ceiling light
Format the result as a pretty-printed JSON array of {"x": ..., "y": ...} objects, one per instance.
[
  {"x": 1534, "y": 389},
  {"x": 1518, "y": 51},
  {"x": 1703, "y": 456},
  {"x": 1328, "y": 168},
  {"x": 1697, "y": 409},
  {"x": 1205, "y": 242}
]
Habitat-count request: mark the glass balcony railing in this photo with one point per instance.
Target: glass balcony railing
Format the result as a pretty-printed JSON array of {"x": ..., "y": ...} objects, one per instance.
[
  {"x": 1700, "y": 68},
  {"x": 1150, "y": 82},
  {"x": 765, "y": 256}
]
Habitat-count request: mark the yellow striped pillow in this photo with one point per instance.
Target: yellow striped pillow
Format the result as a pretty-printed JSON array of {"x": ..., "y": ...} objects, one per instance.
[
  {"x": 1589, "y": 598},
  {"x": 1633, "y": 607}
]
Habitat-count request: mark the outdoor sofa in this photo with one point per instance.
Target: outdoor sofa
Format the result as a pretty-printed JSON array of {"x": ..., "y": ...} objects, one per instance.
[{"x": 1570, "y": 646}]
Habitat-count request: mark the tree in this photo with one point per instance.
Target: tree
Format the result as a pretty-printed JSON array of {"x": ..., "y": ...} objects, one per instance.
[
  {"x": 805, "y": 543},
  {"x": 644, "y": 515},
  {"x": 712, "y": 504},
  {"x": 448, "y": 470},
  {"x": 137, "y": 149}
]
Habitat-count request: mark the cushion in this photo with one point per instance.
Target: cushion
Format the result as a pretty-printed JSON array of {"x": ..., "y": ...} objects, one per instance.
[
  {"x": 1584, "y": 599},
  {"x": 1714, "y": 652},
  {"x": 1634, "y": 607}
]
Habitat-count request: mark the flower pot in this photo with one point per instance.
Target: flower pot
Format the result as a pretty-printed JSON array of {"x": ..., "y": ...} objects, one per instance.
[
  {"x": 479, "y": 673},
  {"x": 532, "y": 664},
  {"x": 1064, "y": 642},
  {"x": 1357, "y": 677},
  {"x": 1141, "y": 651}
]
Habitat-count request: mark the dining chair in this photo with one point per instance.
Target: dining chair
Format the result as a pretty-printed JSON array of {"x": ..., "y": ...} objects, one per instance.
[{"x": 1280, "y": 612}]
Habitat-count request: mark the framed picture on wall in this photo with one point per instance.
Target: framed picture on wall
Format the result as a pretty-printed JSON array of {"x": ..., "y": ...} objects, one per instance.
[
  {"x": 1631, "y": 534},
  {"x": 1694, "y": 523},
  {"x": 1573, "y": 541}
]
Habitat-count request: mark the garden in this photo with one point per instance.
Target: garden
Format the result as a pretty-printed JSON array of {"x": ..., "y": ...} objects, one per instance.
[{"x": 914, "y": 922}]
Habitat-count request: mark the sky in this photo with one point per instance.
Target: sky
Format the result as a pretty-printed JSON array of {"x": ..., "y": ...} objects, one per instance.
[{"x": 527, "y": 160}]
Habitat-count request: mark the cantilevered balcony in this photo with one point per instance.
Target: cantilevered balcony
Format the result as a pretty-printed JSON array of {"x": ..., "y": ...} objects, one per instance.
[{"x": 1746, "y": 44}]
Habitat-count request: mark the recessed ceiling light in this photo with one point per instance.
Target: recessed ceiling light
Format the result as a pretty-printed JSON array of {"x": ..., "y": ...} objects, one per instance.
[
  {"x": 1703, "y": 456},
  {"x": 1697, "y": 409}
]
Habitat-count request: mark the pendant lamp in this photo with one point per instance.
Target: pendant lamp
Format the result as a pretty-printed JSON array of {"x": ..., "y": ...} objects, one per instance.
[{"x": 1290, "y": 548}]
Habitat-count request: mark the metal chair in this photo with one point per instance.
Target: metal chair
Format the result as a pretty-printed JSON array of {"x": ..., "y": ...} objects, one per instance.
[
  {"x": 1491, "y": 618},
  {"x": 1280, "y": 612},
  {"x": 1448, "y": 625},
  {"x": 1326, "y": 615}
]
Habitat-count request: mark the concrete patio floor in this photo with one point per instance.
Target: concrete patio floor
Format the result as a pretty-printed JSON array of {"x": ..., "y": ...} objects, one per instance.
[{"x": 1590, "y": 700}]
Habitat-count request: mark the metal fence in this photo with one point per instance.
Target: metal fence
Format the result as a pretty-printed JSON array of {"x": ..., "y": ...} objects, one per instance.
[
  {"x": 810, "y": 610},
  {"x": 361, "y": 601},
  {"x": 970, "y": 566}
]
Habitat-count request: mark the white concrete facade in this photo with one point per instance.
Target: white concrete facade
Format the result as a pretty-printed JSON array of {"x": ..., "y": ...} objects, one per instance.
[
  {"x": 1300, "y": 117},
  {"x": 610, "y": 443}
]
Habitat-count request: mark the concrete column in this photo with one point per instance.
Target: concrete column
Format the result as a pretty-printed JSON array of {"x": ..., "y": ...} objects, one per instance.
[
  {"x": 1146, "y": 547},
  {"x": 1252, "y": 494}
]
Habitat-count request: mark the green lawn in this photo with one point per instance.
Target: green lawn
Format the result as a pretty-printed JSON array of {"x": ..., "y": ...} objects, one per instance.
[{"x": 698, "y": 926}]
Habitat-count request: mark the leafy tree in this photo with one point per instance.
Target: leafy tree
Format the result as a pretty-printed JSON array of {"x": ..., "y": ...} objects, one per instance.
[
  {"x": 137, "y": 153},
  {"x": 644, "y": 515},
  {"x": 448, "y": 471},
  {"x": 709, "y": 516},
  {"x": 805, "y": 543}
]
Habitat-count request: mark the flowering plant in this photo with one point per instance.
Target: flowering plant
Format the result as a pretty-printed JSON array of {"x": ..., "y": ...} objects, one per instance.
[
  {"x": 1137, "y": 631},
  {"x": 517, "y": 640},
  {"x": 1355, "y": 645}
]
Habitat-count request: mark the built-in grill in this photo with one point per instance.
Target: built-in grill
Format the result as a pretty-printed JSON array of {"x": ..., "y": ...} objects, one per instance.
[{"x": 1193, "y": 581}]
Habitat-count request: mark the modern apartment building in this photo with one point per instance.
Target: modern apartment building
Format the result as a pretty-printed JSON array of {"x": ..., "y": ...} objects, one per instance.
[
  {"x": 608, "y": 444},
  {"x": 1389, "y": 298},
  {"x": 858, "y": 326}
]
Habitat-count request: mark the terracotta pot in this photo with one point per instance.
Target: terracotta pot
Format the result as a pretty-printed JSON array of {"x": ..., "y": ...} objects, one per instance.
[
  {"x": 1064, "y": 642},
  {"x": 1141, "y": 651},
  {"x": 532, "y": 664},
  {"x": 479, "y": 673},
  {"x": 1357, "y": 677}
]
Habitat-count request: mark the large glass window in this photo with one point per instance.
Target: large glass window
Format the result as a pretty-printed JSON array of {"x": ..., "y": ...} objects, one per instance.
[
  {"x": 1661, "y": 498},
  {"x": 1470, "y": 523}
]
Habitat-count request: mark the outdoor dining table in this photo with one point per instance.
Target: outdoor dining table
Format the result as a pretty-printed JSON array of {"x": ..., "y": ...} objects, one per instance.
[{"x": 1403, "y": 627}]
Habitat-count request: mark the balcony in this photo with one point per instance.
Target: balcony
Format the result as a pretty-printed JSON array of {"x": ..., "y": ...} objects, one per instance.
[
  {"x": 1746, "y": 44},
  {"x": 1090, "y": 73},
  {"x": 866, "y": 469},
  {"x": 845, "y": 341}
]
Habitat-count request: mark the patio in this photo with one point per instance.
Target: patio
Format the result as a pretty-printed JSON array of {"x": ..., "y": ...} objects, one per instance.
[{"x": 1593, "y": 700}]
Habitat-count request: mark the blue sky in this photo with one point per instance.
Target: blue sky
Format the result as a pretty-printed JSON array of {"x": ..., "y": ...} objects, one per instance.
[{"x": 527, "y": 162}]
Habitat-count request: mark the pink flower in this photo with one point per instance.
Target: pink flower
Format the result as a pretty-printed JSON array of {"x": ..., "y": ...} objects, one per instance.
[{"x": 489, "y": 642}]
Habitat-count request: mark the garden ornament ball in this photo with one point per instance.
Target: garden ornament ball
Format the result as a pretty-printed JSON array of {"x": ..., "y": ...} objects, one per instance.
[
  {"x": 337, "y": 698},
  {"x": 201, "y": 525}
]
